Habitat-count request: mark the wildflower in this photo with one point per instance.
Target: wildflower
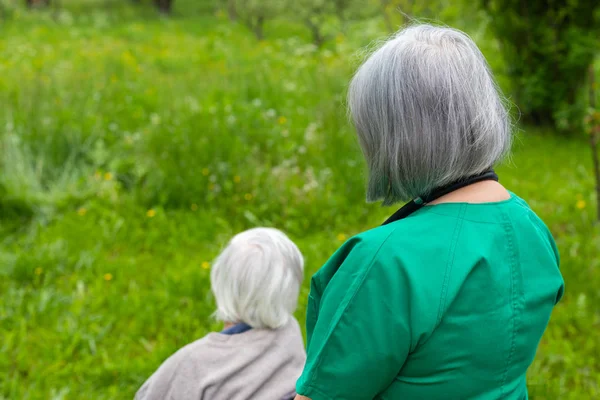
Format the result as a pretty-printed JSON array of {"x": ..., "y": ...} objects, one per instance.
[
  {"x": 108, "y": 277},
  {"x": 155, "y": 119},
  {"x": 38, "y": 271},
  {"x": 256, "y": 102},
  {"x": 248, "y": 196},
  {"x": 108, "y": 176},
  {"x": 205, "y": 171},
  {"x": 341, "y": 237},
  {"x": 282, "y": 120},
  {"x": 289, "y": 86},
  {"x": 98, "y": 175},
  {"x": 194, "y": 207},
  {"x": 151, "y": 213},
  {"x": 205, "y": 265},
  {"x": 580, "y": 204},
  {"x": 81, "y": 211},
  {"x": 237, "y": 179}
]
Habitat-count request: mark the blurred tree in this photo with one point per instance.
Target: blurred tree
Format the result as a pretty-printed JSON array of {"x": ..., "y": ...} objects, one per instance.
[
  {"x": 32, "y": 3},
  {"x": 592, "y": 128},
  {"x": 232, "y": 10},
  {"x": 317, "y": 15},
  {"x": 313, "y": 14},
  {"x": 229, "y": 6},
  {"x": 164, "y": 6},
  {"x": 548, "y": 47},
  {"x": 254, "y": 13},
  {"x": 395, "y": 12}
]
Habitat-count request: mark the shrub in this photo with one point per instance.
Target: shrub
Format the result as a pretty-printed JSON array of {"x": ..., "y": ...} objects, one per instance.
[{"x": 548, "y": 48}]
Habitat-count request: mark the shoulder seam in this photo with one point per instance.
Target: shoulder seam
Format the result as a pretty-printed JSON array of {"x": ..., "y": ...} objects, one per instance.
[
  {"x": 341, "y": 311},
  {"x": 516, "y": 302}
]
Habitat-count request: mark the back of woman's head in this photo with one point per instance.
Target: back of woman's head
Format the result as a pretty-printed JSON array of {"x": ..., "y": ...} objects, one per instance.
[
  {"x": 256, "y": 279},
  {"x": 427, "y": 112}
]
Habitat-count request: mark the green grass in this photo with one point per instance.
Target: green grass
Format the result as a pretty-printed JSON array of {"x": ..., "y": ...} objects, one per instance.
[{"x": 133, "y": 147}]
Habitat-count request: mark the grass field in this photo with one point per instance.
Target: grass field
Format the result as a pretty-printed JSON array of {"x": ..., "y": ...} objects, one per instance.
[{"x": 133, "y": 147}]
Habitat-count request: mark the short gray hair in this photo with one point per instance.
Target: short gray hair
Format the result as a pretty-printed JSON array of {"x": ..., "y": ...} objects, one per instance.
[
  {"x": 427, "y": 112},
  {"x": 256, "y": 279}
]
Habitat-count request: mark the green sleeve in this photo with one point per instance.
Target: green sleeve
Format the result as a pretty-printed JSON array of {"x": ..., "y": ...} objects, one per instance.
[{"x": 361, "y": 336}]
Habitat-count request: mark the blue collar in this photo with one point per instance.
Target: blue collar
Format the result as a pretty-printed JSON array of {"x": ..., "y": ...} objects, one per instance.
[{"x": 235, "y": 329}]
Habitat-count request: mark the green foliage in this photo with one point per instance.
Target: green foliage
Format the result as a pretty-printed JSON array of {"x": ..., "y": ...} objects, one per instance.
[
  {"x": 132, "y": 148},
  {"x": 548, "y": 47},
  {"x": 254, "y": 13},
  {"x": 314, "y": 14}
]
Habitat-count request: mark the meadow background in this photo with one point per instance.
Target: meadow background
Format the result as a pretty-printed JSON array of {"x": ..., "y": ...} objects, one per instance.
[{"x": 133, "y": 145}]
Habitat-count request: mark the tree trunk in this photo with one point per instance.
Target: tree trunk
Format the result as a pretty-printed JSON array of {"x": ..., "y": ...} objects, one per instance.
[
  {"x": 164, "y": 6},
  {"x": 258, "y": 27},
  {"x": 31, "y": 3},
  {"x": 315, "y": 30},
  {"x": 232, "y": 10},
  {"x": 594, "y": 138}
]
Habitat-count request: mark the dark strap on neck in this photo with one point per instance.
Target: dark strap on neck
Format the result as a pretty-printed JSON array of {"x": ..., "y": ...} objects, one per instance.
[{"x": 419, "y": 202}]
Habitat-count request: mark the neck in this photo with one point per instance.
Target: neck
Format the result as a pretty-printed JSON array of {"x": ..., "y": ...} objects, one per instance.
[
  {"x": 227, "y": 325},
  {"x": 480, "y": 192}
]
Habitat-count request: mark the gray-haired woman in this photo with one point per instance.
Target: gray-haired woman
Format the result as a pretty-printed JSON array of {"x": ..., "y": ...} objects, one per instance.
[
  {"x": 450, "y": 297},
  {"x": 260, "y": 353}
]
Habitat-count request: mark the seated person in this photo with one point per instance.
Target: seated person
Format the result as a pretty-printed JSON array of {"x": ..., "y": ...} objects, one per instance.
[{"x": 260, "y": 353}]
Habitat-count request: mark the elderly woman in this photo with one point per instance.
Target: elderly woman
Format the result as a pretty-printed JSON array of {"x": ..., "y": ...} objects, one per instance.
[
  {"x": 260, "y": 353},
  {"x": 450, "y": 297}
]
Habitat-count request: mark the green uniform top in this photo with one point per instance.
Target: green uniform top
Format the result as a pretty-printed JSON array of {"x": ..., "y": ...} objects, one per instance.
[{"x": 448, "y": 303}]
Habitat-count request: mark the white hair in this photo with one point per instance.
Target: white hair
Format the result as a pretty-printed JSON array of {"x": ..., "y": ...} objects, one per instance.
[
  {"x": 256, "y": 279},
  {"x": 427, "y": 112}
]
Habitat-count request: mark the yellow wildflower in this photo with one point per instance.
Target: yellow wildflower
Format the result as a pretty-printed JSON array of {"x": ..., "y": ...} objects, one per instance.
[
  {"x": 341, "y": 237},
  {"x": 108, "y": 176},
  {"x": 580, "y": 204},
  {"x": 38, "y": 271},
  {"x": 194, "y": 207},
  {"x": 82, "y": 211},
  {"x": 237, "y": 179},
  {"x": 205, "y": 265},
  {"x": 205, "y": 171},
  {"x": 108, "y": 277},
  {"x": 151, "y": 213},
  {"x": 282, "y": 120},
  {"x": 248, "y": 196}
]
